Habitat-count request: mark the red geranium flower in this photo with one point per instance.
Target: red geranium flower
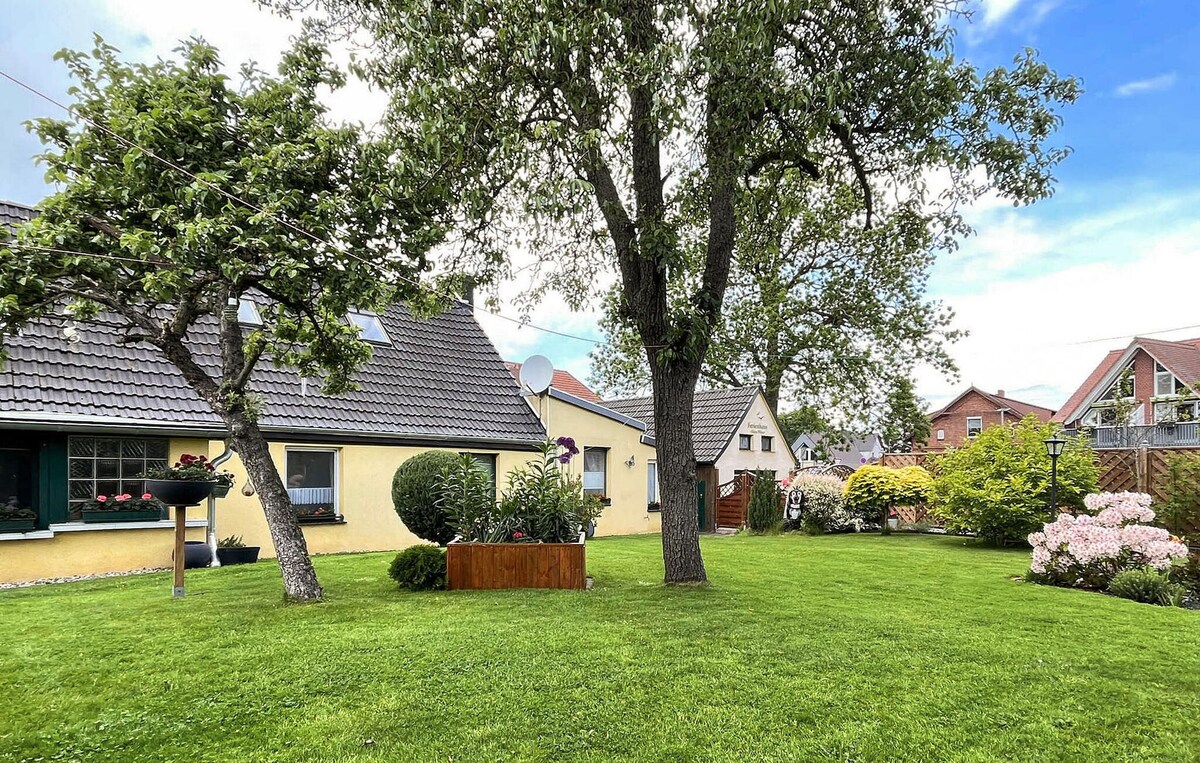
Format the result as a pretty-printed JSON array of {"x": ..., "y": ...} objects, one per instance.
[
  {"x": 101, "y": 498},
  {"x": 123, "y": 497},
  {"x": 146, "y": 496},
  {"x": 518, "y": 534}
]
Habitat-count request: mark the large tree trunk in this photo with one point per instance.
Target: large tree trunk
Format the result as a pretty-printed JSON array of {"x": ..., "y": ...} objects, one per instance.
[
  {"x": 299, "y": 577},
  {"x": 673, "y": 390}
]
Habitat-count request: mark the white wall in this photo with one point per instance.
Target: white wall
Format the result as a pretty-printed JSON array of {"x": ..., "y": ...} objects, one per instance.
[{"x": 758, "y": 422}]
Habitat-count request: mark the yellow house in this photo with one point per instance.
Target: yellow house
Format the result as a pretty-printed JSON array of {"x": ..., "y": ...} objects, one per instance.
[{"x": 82, "y": 415}]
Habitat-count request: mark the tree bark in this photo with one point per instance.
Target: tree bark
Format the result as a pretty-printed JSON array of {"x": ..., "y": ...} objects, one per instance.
[
  {"x": 673, "y": 391},
  {"x": 299, "y": 577}
]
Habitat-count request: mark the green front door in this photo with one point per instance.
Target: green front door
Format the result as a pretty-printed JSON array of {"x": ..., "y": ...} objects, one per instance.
[{"x": 701, "y": 489}]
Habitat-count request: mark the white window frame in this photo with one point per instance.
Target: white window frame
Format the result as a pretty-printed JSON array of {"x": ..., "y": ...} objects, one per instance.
[
  {"x": 386, "y": 340},
  {"x": 979, "y": 428},
  {"x": 585, "y": 472},
  {"x": 248, "y": 314},
  {"x": 941, "y": 434},
  {"x": 652, "y": 494},
  {"x": 337, "y": 470},
  {"x": 748, "y": 440}
]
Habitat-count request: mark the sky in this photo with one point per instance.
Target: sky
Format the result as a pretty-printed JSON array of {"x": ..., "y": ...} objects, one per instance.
[{"x": 1043, "y": 291}]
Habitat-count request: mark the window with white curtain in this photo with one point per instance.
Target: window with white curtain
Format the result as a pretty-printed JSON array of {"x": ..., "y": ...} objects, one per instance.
[{"x": 595, "y": 471}]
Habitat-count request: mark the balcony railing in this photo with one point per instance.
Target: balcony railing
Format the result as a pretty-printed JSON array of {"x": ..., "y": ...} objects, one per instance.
[{"x": 1178, "y": 435}]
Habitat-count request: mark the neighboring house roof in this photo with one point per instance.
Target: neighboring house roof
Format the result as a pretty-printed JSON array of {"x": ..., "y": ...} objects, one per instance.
[
  {"x": 406, "y": 390},
  {"x": 12, "y": 214},
  {"x": 847, "y": 448},
  {"x": 1000, "y": 401},
  {"x": 716, "y": 415},
  {"x": 1181, "y": 357},
  {"x": 601, "y": 410},
  {"x": 563, "y": 380}
]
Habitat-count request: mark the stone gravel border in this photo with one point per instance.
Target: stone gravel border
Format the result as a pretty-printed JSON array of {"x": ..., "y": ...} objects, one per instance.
[{"x": 77, "y": 578}]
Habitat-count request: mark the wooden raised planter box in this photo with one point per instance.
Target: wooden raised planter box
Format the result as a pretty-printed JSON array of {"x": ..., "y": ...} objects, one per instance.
[{"x": 477, "y": 566}]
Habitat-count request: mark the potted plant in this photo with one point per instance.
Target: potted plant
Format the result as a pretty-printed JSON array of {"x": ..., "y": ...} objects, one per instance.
[
  {"x": 224, "y": 480},
  {"x": 317, "y": 516},
  {"x": 123, "y": 508},
  {"x": 232, "y": 550},
  {"x": 14, "y": 519},
  {"x": 532, "y": 538},
  {"x": 187, "y": 483}
]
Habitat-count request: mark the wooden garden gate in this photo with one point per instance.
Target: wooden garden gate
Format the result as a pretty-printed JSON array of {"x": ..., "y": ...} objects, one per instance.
[{"x": 733, "y": 501}]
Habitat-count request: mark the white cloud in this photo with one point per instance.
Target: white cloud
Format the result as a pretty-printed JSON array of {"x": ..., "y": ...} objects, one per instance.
[
  {"x": 995, "y": 11},
  {"x": 1148, "y": 85}
]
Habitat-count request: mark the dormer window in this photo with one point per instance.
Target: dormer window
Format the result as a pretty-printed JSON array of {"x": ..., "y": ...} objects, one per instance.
[
  {"x": 1165, "y": 383},
  {"x": 370, "y": 328},
  {"x": 248, "y": 313}
]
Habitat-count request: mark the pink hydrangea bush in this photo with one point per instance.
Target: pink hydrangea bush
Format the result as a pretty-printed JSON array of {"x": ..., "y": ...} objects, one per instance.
[{"x": 1086, "y": 551}]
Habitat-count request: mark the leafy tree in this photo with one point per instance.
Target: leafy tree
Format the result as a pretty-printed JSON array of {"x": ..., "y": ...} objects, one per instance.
[
  {"x": 628, "y": 134},
  {"x": 765, "y": 511},
  {"x": 906, "y": 421},
  {"x": 998, "y": 484},
  {"x": 821, "y": 308},
  {"x": 166, "y": 254}
]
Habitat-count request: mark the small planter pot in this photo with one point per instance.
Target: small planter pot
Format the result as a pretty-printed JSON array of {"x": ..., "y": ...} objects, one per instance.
[
  {"x": 96, "y": 517},
  {"x": 180, "y": 492},
  {"x": 318, "y": 519},
  {"x": 244, "y": 555},
  {"x": 16, "y": 525},
  {"x": 221, "y": 490},
  {"x": 196, "y": 554}
]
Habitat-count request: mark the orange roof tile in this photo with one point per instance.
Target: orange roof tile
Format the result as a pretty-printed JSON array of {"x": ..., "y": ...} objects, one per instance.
[{"x": 562, "y": 380}]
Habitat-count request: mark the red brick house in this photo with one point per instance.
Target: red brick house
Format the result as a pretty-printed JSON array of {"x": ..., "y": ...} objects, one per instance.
[
  {"x": 1157, "y": 380},
  {"x": 964, "y": 417}
]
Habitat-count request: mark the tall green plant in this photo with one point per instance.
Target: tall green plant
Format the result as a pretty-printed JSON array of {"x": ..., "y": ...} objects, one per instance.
[
  {"x": 464, "y": 498},
  {"x": 997, "y": 486},
  {"x": 765, "y": 513},
  {"x": 873, "y": 490}
]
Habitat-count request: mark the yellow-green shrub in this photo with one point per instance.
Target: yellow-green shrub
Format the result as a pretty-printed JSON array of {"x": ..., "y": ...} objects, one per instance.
[{"x": 874, "y": 489}]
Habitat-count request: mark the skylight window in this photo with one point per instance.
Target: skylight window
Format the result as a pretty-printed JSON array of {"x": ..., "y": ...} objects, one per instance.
[
  {"x": 248, "y": 313},
  {"x": 369, "y": 327}
]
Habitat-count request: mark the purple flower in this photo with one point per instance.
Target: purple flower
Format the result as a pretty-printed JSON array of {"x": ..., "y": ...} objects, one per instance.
[
  {"x": 569, "y": 444},
  {"x": 565, "y": 458}
]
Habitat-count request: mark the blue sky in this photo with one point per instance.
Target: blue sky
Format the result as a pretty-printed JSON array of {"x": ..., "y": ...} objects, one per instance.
[{"x": 1115, "y": 252}]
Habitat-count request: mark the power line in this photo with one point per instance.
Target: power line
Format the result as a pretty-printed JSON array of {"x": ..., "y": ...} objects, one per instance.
[
  {"x": 1142, "y": 333},
  {"x": 53, "y": 250},
  {"x": 254, "y": 207}
]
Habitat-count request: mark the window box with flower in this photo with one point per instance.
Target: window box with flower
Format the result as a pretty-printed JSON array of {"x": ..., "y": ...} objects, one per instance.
[
  {"x": 533, "y": 537},
  {"x": 123, "y": 508},
  {"x": 187, "y": 483}
]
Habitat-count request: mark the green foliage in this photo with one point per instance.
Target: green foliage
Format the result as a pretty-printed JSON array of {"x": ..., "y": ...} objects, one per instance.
[
  {"x": 872, "y": 490},
  {"x": 800, "y": 421},
  {"x": 997, "y": 486},
  {"x": 419, "y": 568},
  {"x": 905, "y": 421},
  {"x": 233, "y": 541},
  {"x": 1147, "y": 586},
  {"x": 1187, "y": 573},
  {"x": 418, "y": 495},
  {"x": 765, "y": 512},
  {"x": 1180, "y": 508},
  {"x": 188, "y": 468},
  {"x": 542, "y": 503},
  {"x": 465, "y": 496}
]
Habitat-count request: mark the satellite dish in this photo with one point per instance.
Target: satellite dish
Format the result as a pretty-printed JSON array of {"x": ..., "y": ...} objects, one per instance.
[{"x": 536, "y": 373}]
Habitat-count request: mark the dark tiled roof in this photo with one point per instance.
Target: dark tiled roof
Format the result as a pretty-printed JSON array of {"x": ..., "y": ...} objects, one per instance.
[
  {"x": 12, "y": 213},
  {"x": 563, "y": 380},
  {"x": 716, "y": 415},
  {"x": 439, "y": 379}
]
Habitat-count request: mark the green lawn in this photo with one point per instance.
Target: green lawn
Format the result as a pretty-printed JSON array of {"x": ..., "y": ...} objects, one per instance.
[{"x": 829, "y": 648}]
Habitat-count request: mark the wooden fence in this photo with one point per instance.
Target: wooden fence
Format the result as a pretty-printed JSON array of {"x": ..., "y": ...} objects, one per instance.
[{"x": 733, "y": 500}]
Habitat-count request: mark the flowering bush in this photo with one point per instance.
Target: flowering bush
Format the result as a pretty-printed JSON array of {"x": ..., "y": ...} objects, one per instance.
[
  {"x": 824, "y": 506},
  {"x": 124, "y": 502},
  {"x": 188, "y": 468},
  {"x": 1087, "y": 551}
]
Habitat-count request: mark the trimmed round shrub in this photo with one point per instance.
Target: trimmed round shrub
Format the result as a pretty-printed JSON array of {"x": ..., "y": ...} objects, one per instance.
[
  {"x": 1147, "y": 586},
  {"x": 873, "y": 489},
  {"x": 420, "y": 568},
  {"x": 824, "y": 505},
  {"x": 416, "y": 495}
]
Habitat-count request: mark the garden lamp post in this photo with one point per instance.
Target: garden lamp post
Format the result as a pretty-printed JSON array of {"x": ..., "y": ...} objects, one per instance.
[{"x": 1054, "y": 447}]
